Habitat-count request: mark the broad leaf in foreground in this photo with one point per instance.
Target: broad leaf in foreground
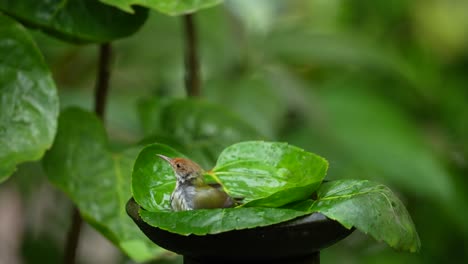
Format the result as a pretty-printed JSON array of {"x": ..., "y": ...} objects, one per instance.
[
  {"x": 269, "y": 173},
  {"x": 28, "y": 99},
  {"x": 76, "y": 20},
  {"x": 97, "y": 180},
  {"x": 370, "y": 207},
  {"x": 213, "y": 221},
  {"x": 169, "y": 7}
]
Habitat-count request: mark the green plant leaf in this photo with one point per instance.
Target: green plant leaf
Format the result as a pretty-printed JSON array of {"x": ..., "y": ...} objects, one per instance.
[
  {"x": 263, "y": 173},
  {"x": 213, "y": 221},
  {"x": 29, "y": 103},
  {"x": 269, "y": 173},
  {"x": 169, "y": 7},
  {"x": 153, "y": 180},
  {"x": 370, "y": 207},
  {"x": 96, "y": 180},
  {"x": 76, "y": 20},
  {"x": 197, "y": 128}
]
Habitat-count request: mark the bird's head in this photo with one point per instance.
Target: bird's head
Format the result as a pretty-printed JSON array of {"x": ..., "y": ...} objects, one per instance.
[{"x": 185, "y": 170}]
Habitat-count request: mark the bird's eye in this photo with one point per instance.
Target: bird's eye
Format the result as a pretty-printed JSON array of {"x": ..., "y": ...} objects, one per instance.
[{"x": 178, "y": 165}]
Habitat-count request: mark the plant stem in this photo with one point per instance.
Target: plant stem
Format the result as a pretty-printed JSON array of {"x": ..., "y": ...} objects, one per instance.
[
  {"x": 73, "y": 237},
  {"x": 100, "y": 99},
  {"x": 192, "y": 65},
  {"x": 102, "y": 81}
]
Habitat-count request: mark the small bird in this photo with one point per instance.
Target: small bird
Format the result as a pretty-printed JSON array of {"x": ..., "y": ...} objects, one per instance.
[{"x": 191, "y": 191}]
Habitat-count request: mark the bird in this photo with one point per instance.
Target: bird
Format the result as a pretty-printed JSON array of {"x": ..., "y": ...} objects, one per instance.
[{"x": 191, "y": 191}]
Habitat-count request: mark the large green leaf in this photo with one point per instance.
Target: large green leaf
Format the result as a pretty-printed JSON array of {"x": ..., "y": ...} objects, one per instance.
[
  {"x": 212, "y": 221},
  {"x": 97, "y": 180},
  {"x": 197, "y": 128},
  {"x": 76, "y": 20},
  {"x": 263, "y": 173},
  {"x": 28, "y": 99},
  {"x": 169, "y": 7},
  {"x": 269, "y": 173},
  {"x": 372, "y": 208}
]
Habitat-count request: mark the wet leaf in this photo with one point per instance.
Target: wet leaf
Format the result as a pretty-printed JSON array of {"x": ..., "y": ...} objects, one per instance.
[
  {"x": 97, "y": 180},
  {"x": 269, "y": 173},
  {"x": 213, "y": 221},
  {"x": 28, "y": 99},
  {"x": 76, "y": 20},
  {"x": 370, "y": 207}
]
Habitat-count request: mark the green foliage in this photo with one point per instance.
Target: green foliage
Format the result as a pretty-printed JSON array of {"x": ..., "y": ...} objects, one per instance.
[
  {"x": 76, "y": 20},
  {"x": 199, "y": 129},
  {"x": 372, "y": 208},
  {"x": 329, "y": 51},
  {"x": 212, "y": 221},
  {"x": 28, "y": 99},
  {"x": 263, "y": 173},
  {"x": 96, "y": 180},
  {"x": 253, "y": 97},
  {"x": 169, "y": 7},
  {"x": 345, "y": 79},
  {"x": 394, "y": 140},
  {"x": 385, "y": 138},
  {"x": 268, "y": 176}
]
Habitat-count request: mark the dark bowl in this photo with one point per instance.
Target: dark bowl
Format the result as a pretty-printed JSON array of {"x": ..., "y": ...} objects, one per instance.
[{"x": 300, "y": 238}]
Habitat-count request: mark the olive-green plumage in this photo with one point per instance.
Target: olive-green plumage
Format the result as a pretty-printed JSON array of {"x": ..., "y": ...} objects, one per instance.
[{"x": 191, "y": 191}]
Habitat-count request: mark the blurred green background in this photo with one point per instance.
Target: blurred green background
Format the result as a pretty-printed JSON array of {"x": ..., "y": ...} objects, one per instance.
[{"x": 379, "y": 88}]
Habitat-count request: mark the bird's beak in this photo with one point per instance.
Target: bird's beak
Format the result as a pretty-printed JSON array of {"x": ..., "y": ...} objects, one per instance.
[{"x": 164, "y": 158}]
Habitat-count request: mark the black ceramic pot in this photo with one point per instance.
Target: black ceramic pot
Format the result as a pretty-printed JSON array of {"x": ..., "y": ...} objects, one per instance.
[{"x": 296, "y": 241}]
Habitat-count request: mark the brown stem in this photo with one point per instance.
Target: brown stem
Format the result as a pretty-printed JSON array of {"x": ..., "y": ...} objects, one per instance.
[
  {"x": 73, "y": 237},
  {"x": 102, "y": 82},
  {"x": 192, "y": 65},
  {"x": 100, "y": 99}
]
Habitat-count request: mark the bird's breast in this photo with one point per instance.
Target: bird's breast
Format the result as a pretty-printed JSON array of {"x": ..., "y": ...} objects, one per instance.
[{"x": 182, "y": 198}]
